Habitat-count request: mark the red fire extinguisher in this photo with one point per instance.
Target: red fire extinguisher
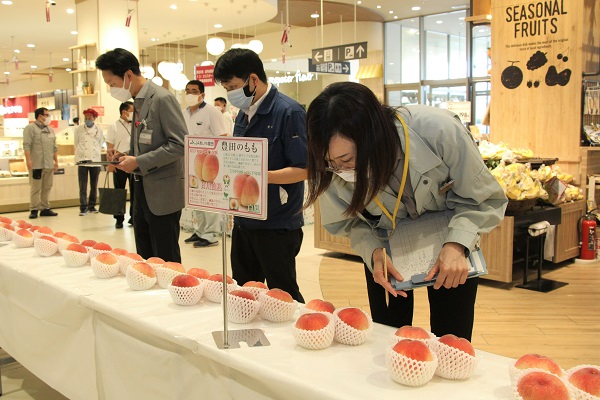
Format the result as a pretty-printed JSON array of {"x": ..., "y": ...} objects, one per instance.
[{"x": 588, "y": 238}]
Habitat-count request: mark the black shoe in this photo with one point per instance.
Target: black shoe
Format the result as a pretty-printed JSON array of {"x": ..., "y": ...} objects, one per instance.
[
  {"x": 48, "y": 213},
  {"x": 204, "y": 243},
  {"x": 119, "y": 225},
  {"x": 33, "y": 214},
  {"x": 92, "y": 210},
  {"x": 130, "y": 222},
  {"x": 192, "y": 239}
]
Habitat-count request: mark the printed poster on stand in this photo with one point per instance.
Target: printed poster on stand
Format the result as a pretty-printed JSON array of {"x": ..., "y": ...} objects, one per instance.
[{"x": 227, "y": 174}]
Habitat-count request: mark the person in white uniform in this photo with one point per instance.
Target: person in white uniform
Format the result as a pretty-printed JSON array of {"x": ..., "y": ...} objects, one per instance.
[
  {"x": 89, "y": 139},
  {"x": 221, "y": 104},
  {"x": 202, "y": 119},
  {"x": 119, "y": 138}
]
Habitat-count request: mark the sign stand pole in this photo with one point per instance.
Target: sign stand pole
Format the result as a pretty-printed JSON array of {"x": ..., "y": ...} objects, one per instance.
[{"x": 252, "y": 337}]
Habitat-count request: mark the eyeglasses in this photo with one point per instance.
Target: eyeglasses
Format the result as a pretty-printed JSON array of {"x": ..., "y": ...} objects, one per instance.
[
  {"x": 46, "y": 115},
  {"x": 192, "y": 92},
  {"x": 336, "y": 168}
]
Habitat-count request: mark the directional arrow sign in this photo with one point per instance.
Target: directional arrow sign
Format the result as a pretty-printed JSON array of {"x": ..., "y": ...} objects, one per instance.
[
  {"x": 345, "y": 52},
  {"x": 339, "y": 67}
]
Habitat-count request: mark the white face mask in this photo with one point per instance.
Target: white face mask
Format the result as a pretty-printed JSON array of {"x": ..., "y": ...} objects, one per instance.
[
  {"x": 120, "y": 93},
  {"x": 192, "y": 99},
  {"x": 349, "y": 175},
  {"x": 238, "y": 97},
  {"x": 129, "y": 115}
]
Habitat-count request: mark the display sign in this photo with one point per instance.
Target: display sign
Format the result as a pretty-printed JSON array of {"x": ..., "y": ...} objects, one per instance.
[
  {"x": 345, "y": 52},
  {"x": 227, "y": 174},
  {"x": 205, "y": 74},
  {"x": 460, "y": 108},
  {"x": 340, "y": 67},
  {"x": 18, "y": 107},
  {"x": 99, "y": 110},
  {"x": 46, "y": 102}
]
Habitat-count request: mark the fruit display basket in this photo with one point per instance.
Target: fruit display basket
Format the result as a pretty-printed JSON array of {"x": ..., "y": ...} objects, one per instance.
[{"x": 518, "y": 207}]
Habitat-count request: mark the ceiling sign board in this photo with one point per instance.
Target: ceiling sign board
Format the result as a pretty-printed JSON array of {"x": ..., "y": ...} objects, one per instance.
[
  {"x": 345, "y": 52},
  {"x": 340, "y": 67}
]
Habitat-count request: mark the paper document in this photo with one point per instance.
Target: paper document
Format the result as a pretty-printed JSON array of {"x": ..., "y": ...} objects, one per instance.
[{"x": 415, "y": 246}]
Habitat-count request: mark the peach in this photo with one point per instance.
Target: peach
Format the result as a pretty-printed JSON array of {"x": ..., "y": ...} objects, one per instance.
[
  {"x": 539, "y": 385},
  {"x": 206, "y": 166},
  {"x": 25, "y": 233},
  {"x": 280, "y": 295},
  {"x": 144, "y": 269},
  {"x": 107, "y": 258},
  {"x": 320, "y": 305},
  {"x": 76, "y": 247},
  {"x": 246, "y": 189},
  {"x": 413, "y": 349},
  {"x": 538, "y": 361},
  {"x": 185, "y": 280},
  {"x": 45, "y": 230},
  {"x": 175, "y": 266},
  {"x": 219, "y": 278},
  {"x": 102, "y": 246},
  {"x": 312, "y": 321},
  {"x": 459, "y": 343},
  {"x": 59, "y": 234},
  {"x": 70, "y": 238},
  {"x": 412, "y": 332},
  {"x": 199, "y": 273},
  {"x": 255, "y": 284},
  {"x": 155, "y": 260},
  {"x": 5, "y": 220},
  {"x": 355, "y": 317},
  {"x": 24, "y": 224},
  {"x": 134, "y": 256},
  {"x": 34, "y": 228},
  {"x": 587, "y": 379},
  {"x": 49, "y": 238},
  {"x": 119, "y": 252},
  {"x": 243, "y": 294},
  {"x": 8, "y": 226},
  {"x": 88, "y": 243}
]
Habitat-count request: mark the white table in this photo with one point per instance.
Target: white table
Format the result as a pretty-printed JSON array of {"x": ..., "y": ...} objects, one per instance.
[{"x": 92, "y": 338}]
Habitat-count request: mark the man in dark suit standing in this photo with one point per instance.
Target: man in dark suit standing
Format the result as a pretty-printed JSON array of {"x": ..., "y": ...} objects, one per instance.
[{"x": 155, "y": 157}]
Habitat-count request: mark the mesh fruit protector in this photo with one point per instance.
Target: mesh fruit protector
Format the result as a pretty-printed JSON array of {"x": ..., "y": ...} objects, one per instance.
[
  {"x": 276, "y": 310},
  {"x": 138, "y": 281},
  {"x": 407, "y": 371},
  {"x": 75, "y": 258},
  {"x": 241, "y": 310},
  {"x": 186, "y": 296},
  {"x": 45, "y": 248},
  {"x": 316, "y": 340}
]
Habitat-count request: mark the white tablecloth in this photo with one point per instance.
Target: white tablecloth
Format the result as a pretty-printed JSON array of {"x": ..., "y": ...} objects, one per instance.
[{"x": 91, "y": 338}]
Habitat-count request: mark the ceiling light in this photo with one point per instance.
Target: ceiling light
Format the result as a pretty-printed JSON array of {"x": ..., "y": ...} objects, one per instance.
[
  {"x": 154, "y": 39},
  {"x": 439, "y": 22},
  {"x": 395, "y": 17},
  {"x": 256, "y": 46},
  {"x": 31, "y": 45},
  {"x": 66, "y": 59},
  {"x": 17, "y": 51},
  {"x": 173, "y": 6},
  {"x": 273, "y": 60},
  {"x": 359, "y": 2},
  {"x": 6, "y": 2},
  {"x": 206, "y": 63},
  {"x": 68, "y": 69},
  {"x": 147, "y": 72},
  {"x": 6, "y": 73},
  {"x": 70, "y": 11},
  {"x": 33, "y": 66},
  {"x": 378, "y": 6},
  {"x": 179, "y": 81},
  {"x": 391, "y": 12},
  {"x": 416, "y": 8},
  {"x": 168, "y": 69},
  {"x": 314, "y": 15},
  {"x": 218, "y": 26},
  {"x": 74, "y": 32},
  {"x": 215, "y": 46},
  {"x": 157, "y": 80}
]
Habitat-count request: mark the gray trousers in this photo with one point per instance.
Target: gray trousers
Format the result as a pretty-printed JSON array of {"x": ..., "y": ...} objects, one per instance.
[{"x": 40, "y": 190}]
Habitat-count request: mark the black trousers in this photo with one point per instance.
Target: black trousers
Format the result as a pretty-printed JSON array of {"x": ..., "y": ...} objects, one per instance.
[
  {"x": 259, "y": 254},
  {"x": 120, "y": 179},
  {"x": 155, "y": 235},
  {"x": 82, "y": 173},
  {"x": 451, "y": 310}
]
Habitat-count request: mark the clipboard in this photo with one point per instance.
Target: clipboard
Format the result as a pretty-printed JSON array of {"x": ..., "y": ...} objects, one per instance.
[
  {"x": 416, "y": 244},
  {"x": 96, "y": 163}
]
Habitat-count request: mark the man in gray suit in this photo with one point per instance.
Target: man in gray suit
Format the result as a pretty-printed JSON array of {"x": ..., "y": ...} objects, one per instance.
[{"x": 155, "y": 157}]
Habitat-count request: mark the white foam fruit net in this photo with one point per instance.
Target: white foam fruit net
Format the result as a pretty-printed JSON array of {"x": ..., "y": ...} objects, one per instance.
[
  {"x": 138, "y": 281},
  {"x": 38, "y": 234},
  {"x": 276, "y": 310},
  {"x": 453, "y": 363},
  {"x": 21, "y": 241},
  {"x": 186, "y": 296},
  {"x": 125, "y": 262},
  {"x": 95, "y": 252},
  {"x": 45, "y": 248},
  {"x": 75, "y": 258},
  {"x": 576, "y": 393},
  {"x": 103, "y": 270},
  {"x": 213, "y": 290},
  {"x": 256, "y": 291},
  {"x": 155, "y": 266},
  {"x": 62, "y": 244},
  {"x": 407, "y": 371},
  {"x": 241, "y": 310},
  {"x": 5, "y": 234},
  {"x": 349, "y": 335},
  {"x": 165, "y": 276},
  {"x": 572, "y": 395},
  {"x": 432, "y": 338},
  {"x": 316, "y": 340}
]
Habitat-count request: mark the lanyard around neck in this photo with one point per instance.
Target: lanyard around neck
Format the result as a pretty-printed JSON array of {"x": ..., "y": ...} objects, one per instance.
[{"x": 402, "y": 182}]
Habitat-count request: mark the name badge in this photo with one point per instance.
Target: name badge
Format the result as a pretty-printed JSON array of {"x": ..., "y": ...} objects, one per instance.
[
  {"x": 446, "y": 186},
  {"x": 145, "y": 137}
]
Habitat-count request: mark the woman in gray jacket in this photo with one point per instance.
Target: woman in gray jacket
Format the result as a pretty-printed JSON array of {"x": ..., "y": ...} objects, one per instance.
[{"x": 357, "y": 167}]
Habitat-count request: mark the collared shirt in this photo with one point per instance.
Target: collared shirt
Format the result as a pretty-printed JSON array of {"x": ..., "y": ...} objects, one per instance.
[
  {"x": 119, "y": 135},
  {"x": 40, "y": 141},
  {"x": 206, "y": 120},
  {"x": 254, "y": 107},
  {"x": 88, "y": 143},
  {"x": 228, "y": 121}
]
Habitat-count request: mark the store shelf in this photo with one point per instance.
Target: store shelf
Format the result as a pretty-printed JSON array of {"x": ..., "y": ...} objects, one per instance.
[
  {"x": 85, "y": 95},
  {"x": 82, "y": 46},
  {"x": 80, "y": 71},
  {"x": 479, "y": 19}
]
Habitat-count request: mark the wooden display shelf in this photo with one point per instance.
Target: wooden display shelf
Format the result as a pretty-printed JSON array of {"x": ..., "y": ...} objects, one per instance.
[
  {"x": 85, "y": 95},
  {"x": 81, "y": 71},
  {"x": 82, "y": 46}
]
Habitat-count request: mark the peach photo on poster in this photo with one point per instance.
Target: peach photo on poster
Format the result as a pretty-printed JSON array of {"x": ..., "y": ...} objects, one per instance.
[
  {"x": 206, "y": 166},
  {"x": 246, "y": 189}
]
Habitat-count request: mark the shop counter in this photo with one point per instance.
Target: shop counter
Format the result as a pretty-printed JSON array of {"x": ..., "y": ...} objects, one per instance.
[{"x": 97, "y": 339}]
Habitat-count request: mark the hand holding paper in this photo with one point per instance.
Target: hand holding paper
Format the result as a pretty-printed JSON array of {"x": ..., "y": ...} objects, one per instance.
[
  {"x": 451, "y": 267},
  {"x": 379, "y": 273}
]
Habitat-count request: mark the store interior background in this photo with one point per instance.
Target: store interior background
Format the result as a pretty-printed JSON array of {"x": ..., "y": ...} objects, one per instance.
[{"x": 563, "y": 324}]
